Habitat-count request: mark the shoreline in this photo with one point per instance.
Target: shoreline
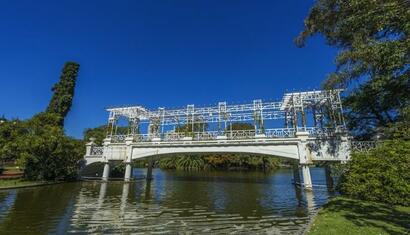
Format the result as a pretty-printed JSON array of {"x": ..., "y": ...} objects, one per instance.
[
  {"x": 312, "y": 219},
  {"x": 30, "y": 185},
  {"x": 343, "y": 215}
]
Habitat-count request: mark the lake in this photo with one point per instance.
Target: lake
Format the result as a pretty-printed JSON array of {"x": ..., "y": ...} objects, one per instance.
[{"x": 173, "y": 202}]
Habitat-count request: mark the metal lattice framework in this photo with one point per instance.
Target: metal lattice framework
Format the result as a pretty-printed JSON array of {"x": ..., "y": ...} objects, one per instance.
[
  {"x": 317, "y": 112},
  {"x": 363, "y": 146}
]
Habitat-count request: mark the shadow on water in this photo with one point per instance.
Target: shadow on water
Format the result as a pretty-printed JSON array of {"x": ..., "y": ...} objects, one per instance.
[
  {"x": 197, "y": 202},
  {"x": 38, "y": 210}
]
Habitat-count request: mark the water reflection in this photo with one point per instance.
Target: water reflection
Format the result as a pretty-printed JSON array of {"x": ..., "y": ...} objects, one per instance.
[{"x": 197, "y": 202}]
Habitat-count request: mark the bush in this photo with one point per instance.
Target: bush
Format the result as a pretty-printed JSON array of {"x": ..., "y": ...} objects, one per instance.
[
  {"x": 382, "y": 174},
  {"x": 118, "y": 170},
  {"x": 45, "y": 152}
]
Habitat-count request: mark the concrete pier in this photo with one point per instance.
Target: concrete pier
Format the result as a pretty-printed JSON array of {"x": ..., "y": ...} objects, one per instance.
[
  {"x": 106, "y": 172},
  {"x": 307, "y": 180},
  {"x": 128, "y": 172}
]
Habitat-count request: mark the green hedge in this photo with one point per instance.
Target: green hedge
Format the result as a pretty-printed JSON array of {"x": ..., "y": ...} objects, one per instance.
[{"x": 382, "y": 174}]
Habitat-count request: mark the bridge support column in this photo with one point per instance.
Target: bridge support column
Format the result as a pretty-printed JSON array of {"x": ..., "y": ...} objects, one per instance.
[
  {"x": 128, "y": 172},
  {"x": 307, "y": 180},
  {"x": 304, "y": 159},
  {"x": 128, "y": 167},
  {"x": 106, "y": 172}
]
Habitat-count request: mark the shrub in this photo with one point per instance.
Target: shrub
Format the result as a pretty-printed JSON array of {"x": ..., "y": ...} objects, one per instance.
[
  {"x": 45, "y": 152},
  {"x": 382, "y": 174}
]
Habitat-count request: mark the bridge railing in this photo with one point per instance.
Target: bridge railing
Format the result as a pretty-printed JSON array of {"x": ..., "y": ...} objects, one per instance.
[
  {"x": 320, "y": 131},
  {"x": 118, "y": 138},
  {"x": 280, "y": 132},
  {"x": 96, "y": 151},
  {"x": 363, "y": 146},
  {"x": 230, "y": 135}
]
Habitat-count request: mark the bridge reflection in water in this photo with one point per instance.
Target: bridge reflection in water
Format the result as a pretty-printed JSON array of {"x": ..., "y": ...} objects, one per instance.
[
  {"x": 201, "y": 202},
  {"x": 197, "y": 202}
]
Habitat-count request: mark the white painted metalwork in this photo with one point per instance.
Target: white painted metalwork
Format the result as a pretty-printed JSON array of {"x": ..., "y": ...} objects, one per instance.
[
  {"x": 96, "y": 151},
  {"x": 304, "y": 125},
  {"x": 363, "y": 146},
  {"x": 324, "y": 108}
]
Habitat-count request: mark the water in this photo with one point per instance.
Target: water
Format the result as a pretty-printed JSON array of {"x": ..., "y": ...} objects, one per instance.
[{"x": 174, "y": 202}]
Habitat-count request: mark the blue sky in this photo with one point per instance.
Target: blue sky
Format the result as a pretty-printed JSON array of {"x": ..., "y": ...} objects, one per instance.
[{"x": 154, "y": 53}]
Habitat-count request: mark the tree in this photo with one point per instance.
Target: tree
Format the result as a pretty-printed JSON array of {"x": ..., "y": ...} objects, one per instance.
[
  {"x": 380, "y": 175},
  {"x": 10, "y": 130},
  {"x": 62, "y": 98},
  {"x": 235, "y": 126},
  {"x": 44, "y": 152},
  {"x": 197, "y": 126},
  {"x": 374, "y": 58},
  {"x": 100, "y": 133},
  {"x": 400, "y": 129}
]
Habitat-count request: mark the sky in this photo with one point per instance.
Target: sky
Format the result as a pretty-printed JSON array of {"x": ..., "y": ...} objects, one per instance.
[{"x": 155, "y": 53}]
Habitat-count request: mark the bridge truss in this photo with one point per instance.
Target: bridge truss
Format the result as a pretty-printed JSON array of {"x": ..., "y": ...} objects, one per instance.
[{"x": 317, "y": 112}]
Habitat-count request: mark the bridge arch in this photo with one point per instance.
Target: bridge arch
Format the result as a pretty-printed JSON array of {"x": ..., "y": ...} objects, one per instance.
[{"x": 283, "y": 151}]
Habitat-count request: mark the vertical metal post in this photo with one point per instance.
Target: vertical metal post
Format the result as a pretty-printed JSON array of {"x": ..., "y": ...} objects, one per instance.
[
  {"x": 341, "y": 109},
  {"x": 314, "y": 116}
]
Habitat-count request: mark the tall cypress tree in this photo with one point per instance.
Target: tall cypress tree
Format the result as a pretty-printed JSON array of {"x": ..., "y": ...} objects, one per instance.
[{"x": 64, "y": 91}]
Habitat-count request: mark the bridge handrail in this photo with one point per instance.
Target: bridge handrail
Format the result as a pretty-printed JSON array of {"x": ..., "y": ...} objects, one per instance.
[
  {"x": 96, "y": 151},
  {"x": 231, "y": 135},
  {"x": 320, "y": 131},
  {"x": 363, "y": 146}
]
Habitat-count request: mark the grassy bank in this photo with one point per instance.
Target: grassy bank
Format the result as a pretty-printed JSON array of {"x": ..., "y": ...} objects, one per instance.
[
  {"x": 347, "y": 216},
  {"x": 16, "y": 183}
]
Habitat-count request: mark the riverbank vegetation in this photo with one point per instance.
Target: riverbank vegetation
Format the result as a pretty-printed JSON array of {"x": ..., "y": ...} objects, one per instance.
[
  {"x": 19, "y": 183},
  {"x": 39, "y": 145},
  {"x": 219, "y": 162},
  {"x": 351, "y": 216},
  {"x": 381, "y": 174},
  {"x": 373, "y": 67}
]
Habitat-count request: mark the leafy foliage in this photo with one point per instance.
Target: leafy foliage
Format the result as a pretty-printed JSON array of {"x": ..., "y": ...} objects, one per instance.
[
  {"x": 39, "y": 144},
  {"x": 118, "y": 170},
  {"x": 240, "y": 126},
  {"x": 401, "y": 128},
  {"x": 64, "y": 91},
  {"x": 10, "y": 130},
  {"x": 380, "y": 175},
  {"x": 191, "y": 127},
  {"x": 99, "y": 133},
  {"x": 373, "y": 38},
  {"x": 44, "y": 152},
  {"x": 225, "y": 161}
]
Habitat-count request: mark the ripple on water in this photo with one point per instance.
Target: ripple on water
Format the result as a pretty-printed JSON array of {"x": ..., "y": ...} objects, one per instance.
[{"x": 216, "y": 203}]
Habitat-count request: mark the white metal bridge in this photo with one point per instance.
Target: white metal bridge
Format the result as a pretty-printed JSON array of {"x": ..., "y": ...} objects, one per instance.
[{"x": 305, "y": 126}]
